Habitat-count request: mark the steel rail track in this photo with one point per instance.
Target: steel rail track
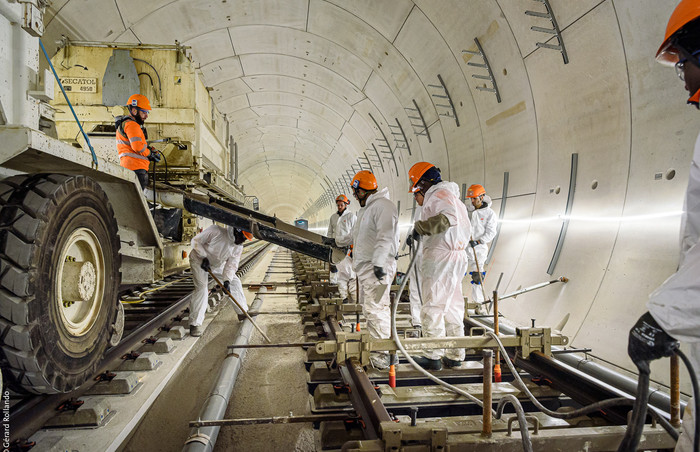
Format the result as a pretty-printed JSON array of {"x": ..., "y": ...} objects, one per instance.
[{"x": 32, "y": 411}]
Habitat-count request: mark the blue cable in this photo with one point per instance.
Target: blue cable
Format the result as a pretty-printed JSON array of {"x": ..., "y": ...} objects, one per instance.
[{"x": 87, "y": 140}]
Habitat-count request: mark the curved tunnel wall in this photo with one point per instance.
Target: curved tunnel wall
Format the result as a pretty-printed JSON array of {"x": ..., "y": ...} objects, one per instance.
[{"x": 311, "y": 88}]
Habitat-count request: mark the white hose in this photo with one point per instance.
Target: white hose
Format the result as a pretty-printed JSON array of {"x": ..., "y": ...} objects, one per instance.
[{"x": 408, "y": 357}]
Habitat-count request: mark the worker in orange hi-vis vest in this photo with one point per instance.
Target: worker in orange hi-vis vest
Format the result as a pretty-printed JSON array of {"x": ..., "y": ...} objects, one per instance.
[{"x": 134, "y": 152}]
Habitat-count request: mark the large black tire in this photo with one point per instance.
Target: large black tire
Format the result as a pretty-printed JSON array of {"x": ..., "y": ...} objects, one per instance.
[{"x": 57, "y": 234}]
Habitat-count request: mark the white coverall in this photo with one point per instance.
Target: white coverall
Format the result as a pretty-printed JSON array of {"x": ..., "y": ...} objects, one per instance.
[
  {"x": 484, "y": 229},
  {"x": 414, "y": 281},
  {"x": 675, "y": 305},
  {"x": 442, "y": 268},
  {"x": 216, "y": 243},
  {"x": 375, "y": 239},
  {"x": 341, "y": 226}
]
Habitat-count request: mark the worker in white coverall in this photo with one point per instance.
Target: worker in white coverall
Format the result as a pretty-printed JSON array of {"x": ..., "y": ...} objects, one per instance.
[
  {"x": 219, "y": 249},
  {"x": 375, "y": 239},
  {"x": 483, "y": 220},
  {"x": 340, "y": 225},
  {"x": 444, "y": 232},
  {"x": 674, "y": 307}
]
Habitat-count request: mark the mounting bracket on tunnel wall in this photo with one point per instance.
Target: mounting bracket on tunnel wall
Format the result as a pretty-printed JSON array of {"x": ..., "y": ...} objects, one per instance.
[
  {"x": 418, "y": 122},
  {"x": 379, "y": 159},
  {"x": 484, "y": 65},
  {"x": 443, "y": 93},
  {"x": 554, "y": 31},
  {"x": 366, "y": 159},
  {"x": 565, "y": 224},
  {"x": 399, "y": 136},
  {"x": 384, "y": 143}
]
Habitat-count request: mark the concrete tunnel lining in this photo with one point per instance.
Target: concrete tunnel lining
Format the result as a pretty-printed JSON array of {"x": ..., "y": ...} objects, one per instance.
[{"x": 612, "y": 104}]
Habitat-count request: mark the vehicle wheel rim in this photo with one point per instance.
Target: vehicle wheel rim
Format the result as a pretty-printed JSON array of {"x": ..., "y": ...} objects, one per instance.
[{"x": 80, "y": 281}]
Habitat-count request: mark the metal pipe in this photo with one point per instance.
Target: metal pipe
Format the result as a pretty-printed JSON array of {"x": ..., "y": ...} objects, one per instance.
[
  {"x": 497, "y": 361},
  {"x": 657, "y": 398},
  {"x": 275, "y": 420},
  {"x": 487, "y": 428},
  {"x": 204, "y": 439},
  {"x": 675, "y": 391}
]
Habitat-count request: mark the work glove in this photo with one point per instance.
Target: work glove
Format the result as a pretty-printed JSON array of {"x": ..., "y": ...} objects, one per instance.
[
  {"x": 648, "y": 341},
  {"x": 227, "y": 285},
  {"x": 206, "y": 266},
  {"x": 414, "y": 236},
  {"x": 333, "y": 268},
  {"x": 330, "y": 241},
  {"x": 474, "y": 243},
  {"x": 154, "y": 156},
  {"x": 379, "y": 272}
]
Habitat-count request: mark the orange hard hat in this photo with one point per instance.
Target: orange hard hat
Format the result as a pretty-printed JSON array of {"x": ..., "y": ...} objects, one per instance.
[
  {"x": 342, "y": 198},
  {"x": 686, "y": 12},
  {"x": 416, "y": 172},
  {"x": 475, "y": 191},
  {"x": 364, "y": 180},
  {"x": 247, "y": 235},
  {"x": 139, "y": 101}
]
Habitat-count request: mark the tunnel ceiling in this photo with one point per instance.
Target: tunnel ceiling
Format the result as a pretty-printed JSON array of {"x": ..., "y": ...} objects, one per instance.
[{"x": 316, "y": 89}]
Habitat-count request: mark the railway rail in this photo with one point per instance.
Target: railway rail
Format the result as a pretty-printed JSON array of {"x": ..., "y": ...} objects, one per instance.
[
  {"x": 356, "y": 407},
  {"x": 149, "y": 311}
]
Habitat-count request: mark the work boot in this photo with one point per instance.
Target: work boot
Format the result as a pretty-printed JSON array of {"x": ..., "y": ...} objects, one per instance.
[
  {"x": 380, "y": 361},
  {"x": 451, "y": 363},
  {"x": 241, "y": 317},
  {"x": 427, "y": 363},
  {"x": 345, "y": 300},
  {"x": 480, "y": 310},
  {"x": 195, "y": 331}
]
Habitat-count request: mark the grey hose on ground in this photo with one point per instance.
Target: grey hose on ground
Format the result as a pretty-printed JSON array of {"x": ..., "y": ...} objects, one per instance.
[{"x": 618, "y": 401}]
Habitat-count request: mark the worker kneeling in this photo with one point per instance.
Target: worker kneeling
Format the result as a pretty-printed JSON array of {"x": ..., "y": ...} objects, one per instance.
[
  {"x": 217, "y": 249},
  {"x": 444, "y": 228}
]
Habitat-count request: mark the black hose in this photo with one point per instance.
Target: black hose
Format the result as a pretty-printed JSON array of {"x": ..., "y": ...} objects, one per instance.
[
  {"x": 696, "y": 398},
  {"x": 639, "y": 413},
  {"x": 166, "y": 166},
  {"x": 522, "y": 422}
]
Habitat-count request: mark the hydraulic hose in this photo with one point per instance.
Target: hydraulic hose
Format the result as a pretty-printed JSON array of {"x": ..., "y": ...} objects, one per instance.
[
  {"x": 520, "y": 412},
  {"x": 592, "y": 408},
  {"x": 522, "y": 423},
  {"x": 639, "y": 413},
  {"x": 696, "y": 398}
]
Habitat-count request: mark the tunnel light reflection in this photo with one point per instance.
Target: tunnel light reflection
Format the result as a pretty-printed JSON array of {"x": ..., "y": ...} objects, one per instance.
[
  {"x": 595, "y": 219},
  {"x": 591, "y": 219}
]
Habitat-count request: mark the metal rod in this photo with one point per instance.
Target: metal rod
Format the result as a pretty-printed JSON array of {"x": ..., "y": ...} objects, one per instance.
[
  {"x": 245, "y": 311},
  {"x": 487, "y": 428},
  {"x": 563, "y": 279},
  {"x": 290, "y": 345},
  {"x": 274, "y": 420},
  {"x": 675, "y": 392}
]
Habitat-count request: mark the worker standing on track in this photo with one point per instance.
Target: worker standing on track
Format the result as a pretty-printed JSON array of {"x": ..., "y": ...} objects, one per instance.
[
  {"x": 217, "y": 249},
  {"x": 340, "y": 225},
  {"x": 375, "y": 239},
  {"x": 134, "y": 152},
  {"x": 483, "y": 221},
  {"x": 674, "y": 308},
  {"x": 444, "y": 228}
]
